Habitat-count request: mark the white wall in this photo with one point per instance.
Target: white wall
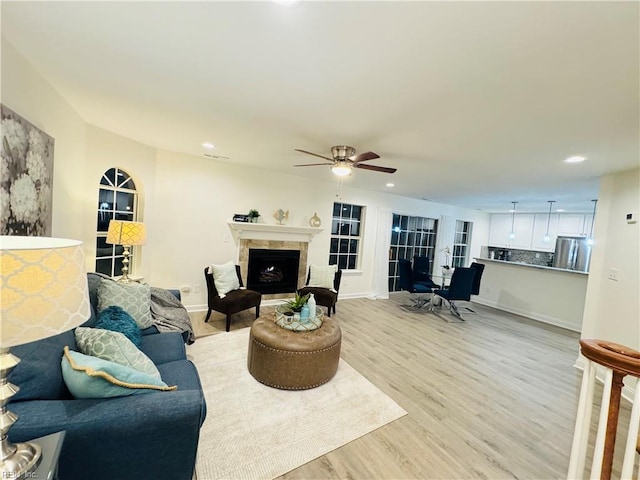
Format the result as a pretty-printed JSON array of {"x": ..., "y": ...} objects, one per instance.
[
  {"x": 186, "y": 201},
  {"x": 612, "y": 308},
  {"x": 29, "y": 95}
]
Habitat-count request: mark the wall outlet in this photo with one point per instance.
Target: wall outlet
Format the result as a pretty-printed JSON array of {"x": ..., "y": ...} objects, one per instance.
[
  {"x": 185, "y": 289},
  {"x": 613, "y": 274}
]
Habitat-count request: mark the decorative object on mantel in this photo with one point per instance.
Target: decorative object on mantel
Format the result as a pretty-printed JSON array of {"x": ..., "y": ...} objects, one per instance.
[
  {"x": 26, "y": 181},
  {"x": 241, "y": 217},
  {"x": 253, "y": 215},
  {"x": 281, "y": 216},
  {"x": 315, "y": 221}
]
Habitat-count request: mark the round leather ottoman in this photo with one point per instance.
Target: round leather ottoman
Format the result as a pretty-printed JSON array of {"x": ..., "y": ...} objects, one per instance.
[{"x": 291, "y": 360}]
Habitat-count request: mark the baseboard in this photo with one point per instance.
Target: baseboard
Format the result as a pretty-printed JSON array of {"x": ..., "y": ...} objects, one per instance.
[{"x": 540, "y": 318}]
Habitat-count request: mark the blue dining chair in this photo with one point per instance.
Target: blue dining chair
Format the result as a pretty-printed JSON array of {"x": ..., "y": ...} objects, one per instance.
[
  {"x": 420, "y": 294},
  {"x": 459, "y": 289}
]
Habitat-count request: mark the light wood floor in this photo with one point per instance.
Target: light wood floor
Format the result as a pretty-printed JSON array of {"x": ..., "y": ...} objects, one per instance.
[{"x": 490, "y": 398}]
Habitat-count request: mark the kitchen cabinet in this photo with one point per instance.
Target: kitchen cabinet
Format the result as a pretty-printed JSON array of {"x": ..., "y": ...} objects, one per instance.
[
  {"x": 530, "y": 229},
  {"x": 540, "y": 229},
  {"x": 501, "y": 227},
  {"x": 573, "y": 224}
]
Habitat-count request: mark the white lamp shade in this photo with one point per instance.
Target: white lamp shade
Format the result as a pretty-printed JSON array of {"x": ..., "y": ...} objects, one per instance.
[
  {"x": 123, "y": 232},
  {"x": 43, "y": 288}
]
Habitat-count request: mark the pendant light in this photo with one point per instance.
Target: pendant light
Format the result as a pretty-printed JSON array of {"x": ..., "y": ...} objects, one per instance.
[
  {"x": 547, "y": 238},
  {"x": 593, "y": 219},
  {"x": 512, "y": 234}
]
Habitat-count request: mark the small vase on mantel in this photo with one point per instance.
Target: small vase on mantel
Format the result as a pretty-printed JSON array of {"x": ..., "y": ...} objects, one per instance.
[{"x": 315, "y": 221}]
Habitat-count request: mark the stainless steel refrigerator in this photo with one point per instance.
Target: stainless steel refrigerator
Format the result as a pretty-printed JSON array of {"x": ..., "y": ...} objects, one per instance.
[{"x": 572, "y": 253}]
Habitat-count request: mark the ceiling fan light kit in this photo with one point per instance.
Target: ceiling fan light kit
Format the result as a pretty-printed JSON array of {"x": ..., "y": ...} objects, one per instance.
[{"x": 345, "y": 159}]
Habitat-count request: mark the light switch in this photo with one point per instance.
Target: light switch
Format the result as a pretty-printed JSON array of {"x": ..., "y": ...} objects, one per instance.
[{"x": 613, "y": 274}]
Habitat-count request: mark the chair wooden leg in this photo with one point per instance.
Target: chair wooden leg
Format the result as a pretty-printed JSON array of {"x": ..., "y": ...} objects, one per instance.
[
  {"x": 257, "y": 311},
  {"x": 208, "y": 315},
  {"x": 328, "y": 311},
  {"x": 228, "y": 321},
  {"x": 334, "y": 308}
]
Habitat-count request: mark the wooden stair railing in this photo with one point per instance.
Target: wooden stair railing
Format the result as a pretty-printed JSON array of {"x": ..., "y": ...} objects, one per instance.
[{"x": 619, "y": 361}]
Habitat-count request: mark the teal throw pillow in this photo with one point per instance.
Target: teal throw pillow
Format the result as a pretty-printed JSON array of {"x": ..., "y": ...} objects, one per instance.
[
  {"x": 91, "y": 377},
  {"x": 117, "y": 320},
  {"x": 134, "y": 298},
  {"x": 115, "y": 347}
]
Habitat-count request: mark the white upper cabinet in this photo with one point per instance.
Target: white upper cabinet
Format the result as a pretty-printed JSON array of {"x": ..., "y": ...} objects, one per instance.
[
  {"x": 530, "y": 229},
  {"x": 501, "y": 228},
  {"x": 573, "y": 224},
  {"x": 540, "y": 230}
]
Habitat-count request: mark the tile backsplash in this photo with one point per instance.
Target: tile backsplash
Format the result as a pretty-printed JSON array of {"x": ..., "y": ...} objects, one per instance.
[{"x": 515, "y": 255}]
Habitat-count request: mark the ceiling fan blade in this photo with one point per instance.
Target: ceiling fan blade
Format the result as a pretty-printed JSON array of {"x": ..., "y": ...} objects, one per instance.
[
  {"x": 314, "y": 154},
  {"x": 364, "y": 156},
  {"x": 312, "y": 164},
  {"x": 376, "y": 168}
]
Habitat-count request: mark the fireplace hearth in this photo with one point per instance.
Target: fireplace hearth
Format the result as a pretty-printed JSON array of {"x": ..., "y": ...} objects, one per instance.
[{"x": 273, "y": 271}]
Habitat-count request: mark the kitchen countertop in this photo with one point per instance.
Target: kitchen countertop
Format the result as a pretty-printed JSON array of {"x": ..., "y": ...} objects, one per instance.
[{"x": 522, "y": 264}]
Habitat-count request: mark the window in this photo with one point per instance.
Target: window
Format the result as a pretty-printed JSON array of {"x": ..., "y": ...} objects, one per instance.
[
  {"x": 461, "y": 242},
  {"x": 117, "y": 199},
  {"x": 346, "y": 226},
  {"x": 410, "y": 236}
]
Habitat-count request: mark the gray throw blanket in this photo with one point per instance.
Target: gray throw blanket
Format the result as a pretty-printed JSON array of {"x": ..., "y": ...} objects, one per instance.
[{"x": 169, "y": 315}]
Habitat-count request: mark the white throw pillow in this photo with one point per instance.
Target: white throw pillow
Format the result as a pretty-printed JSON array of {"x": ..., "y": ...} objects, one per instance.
[
  {"x": 225, "y": 278},
  {"x": 322, "y": 276}
]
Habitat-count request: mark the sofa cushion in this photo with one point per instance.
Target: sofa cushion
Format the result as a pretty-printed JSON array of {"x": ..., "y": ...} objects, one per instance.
[
  {"x": 115, "y": 347},
  {"x": 117, "y": 320},
  {"x": 134, "y": 298},
  {"x": 225, "y": 278},
  {"x": 322, "y": 276},
  {"x": 182, "y": 373},
  {"x": 38, "y": 374},
  {"x": 164, "y": 347},
  {"x": 92, "y": 377}
]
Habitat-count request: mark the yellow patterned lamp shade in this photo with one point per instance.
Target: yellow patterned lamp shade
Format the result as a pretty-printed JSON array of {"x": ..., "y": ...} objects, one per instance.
[
  {"x": 43, "y": 288},
  {"x": 122, "y": 232}
]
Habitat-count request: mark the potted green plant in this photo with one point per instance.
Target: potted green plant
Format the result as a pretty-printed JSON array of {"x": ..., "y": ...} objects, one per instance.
[
  {"x": 298, "y": 302},
  {"x": 253, "y": 215}
]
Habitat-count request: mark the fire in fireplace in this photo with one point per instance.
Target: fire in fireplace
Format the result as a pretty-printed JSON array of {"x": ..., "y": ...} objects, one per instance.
[{"x": 273, "y": 271}]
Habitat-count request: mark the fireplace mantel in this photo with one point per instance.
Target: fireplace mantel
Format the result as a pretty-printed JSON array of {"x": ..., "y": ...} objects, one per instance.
[{"x": 265, "y": 231}]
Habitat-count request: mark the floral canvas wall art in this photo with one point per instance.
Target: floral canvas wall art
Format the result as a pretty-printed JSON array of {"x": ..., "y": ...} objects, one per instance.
[{"x": 26, "y": 177}]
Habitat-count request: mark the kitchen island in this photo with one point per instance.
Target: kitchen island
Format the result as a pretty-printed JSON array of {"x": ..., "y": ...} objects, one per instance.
[{"x": 548, "y": 294}]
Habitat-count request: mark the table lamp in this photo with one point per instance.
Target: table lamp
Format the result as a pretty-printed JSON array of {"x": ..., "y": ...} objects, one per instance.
[
  {"x": 43, "y": 292},
  {"x": 127, "y": 234}
]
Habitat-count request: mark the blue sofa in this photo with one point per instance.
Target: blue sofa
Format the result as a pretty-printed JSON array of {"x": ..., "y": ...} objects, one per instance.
[{"x": 150, "y": 436}]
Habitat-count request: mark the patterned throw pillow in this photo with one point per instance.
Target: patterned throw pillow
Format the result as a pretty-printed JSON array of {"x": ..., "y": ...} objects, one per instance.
[
  {"x": 91, "y": 377},
  {"x": 115, "y": 347},
  {"x": 322, "y": 276},
  {"x": 117, "y": 320},
  {"x": 134, "y": 298},
  {"x": 225, "y": 278}
]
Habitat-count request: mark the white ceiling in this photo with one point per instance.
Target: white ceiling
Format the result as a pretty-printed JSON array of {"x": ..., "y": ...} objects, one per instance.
[{"x": 475, "y": 103}]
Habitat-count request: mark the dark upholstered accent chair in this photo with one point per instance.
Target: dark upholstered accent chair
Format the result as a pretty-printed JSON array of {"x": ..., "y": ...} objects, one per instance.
[
  {"x": 234, "y": 301},
  {"x": 324, "y": 296}
]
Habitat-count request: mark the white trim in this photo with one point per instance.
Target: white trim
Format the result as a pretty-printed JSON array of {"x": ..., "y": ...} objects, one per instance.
[
  {"x": 265, "y": 231},
  {"x": 558, "y": 322}
]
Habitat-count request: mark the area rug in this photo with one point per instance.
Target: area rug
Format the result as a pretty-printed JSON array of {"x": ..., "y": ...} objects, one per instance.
[{"x": 257, "y": 432}]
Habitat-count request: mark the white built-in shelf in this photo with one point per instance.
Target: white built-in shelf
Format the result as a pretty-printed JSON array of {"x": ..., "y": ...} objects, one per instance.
[{"x": 266, "y": 231}]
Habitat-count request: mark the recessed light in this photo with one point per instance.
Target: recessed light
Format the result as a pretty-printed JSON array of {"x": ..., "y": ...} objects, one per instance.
[
  {"x": 575, "y": 159},
  {"x": 390, "y": 185},
  {"x": 208, "y": 145}
]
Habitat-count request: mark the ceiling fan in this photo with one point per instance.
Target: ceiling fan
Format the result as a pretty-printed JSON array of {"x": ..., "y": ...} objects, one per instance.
[{"x": 345, "y": 158}]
